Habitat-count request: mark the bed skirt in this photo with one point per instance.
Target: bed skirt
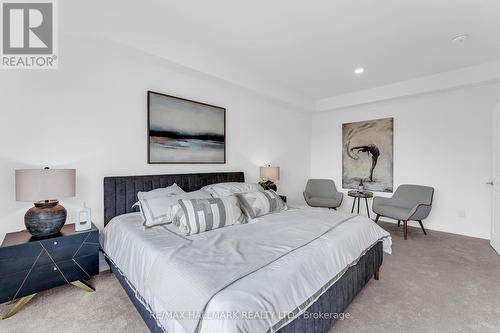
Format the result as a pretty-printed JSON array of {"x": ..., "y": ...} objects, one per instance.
[{"x": 332, "y": 302}]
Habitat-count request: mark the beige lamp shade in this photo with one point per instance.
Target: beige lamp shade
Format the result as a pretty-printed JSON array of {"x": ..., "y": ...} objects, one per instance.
[
  {"x": 270, "y": 172},
  {"x": 44, "y": 184}
]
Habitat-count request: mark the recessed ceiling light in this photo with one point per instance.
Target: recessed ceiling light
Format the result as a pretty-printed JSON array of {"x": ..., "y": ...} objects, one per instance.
[
  {"x": 460, "y": 38},
  {"x": 359, "y": 70}
]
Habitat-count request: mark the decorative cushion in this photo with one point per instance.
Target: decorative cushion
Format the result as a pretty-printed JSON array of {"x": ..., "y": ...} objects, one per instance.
[
  {"x": 258, "y": 203},
  {"x": 221, "y": 190},
  {"x": 158, "y": 210},
  {"x": 200, "y": 215},
  {"x": 165, "y": 191}
]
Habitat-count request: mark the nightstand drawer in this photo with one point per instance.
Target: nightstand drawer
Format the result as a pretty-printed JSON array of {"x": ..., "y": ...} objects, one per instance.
[
  {"x": 64, "y": 248},
  {"x": 38, "y": 279},
  {"x": 19, "y": 258},
  {"x": 46, "y": 276}
]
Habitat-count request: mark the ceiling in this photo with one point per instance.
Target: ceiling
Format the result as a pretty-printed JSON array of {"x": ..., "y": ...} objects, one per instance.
[{"x": 309, "y": 48}]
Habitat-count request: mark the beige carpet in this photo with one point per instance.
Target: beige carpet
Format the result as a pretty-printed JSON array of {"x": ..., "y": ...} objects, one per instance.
[{"x": 436, "y": 283}]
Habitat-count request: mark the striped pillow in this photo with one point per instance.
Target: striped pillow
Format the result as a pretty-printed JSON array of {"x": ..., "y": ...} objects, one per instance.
[
  {"x": 200, "y": 215},
  {"x": 255, "y": 204},
  {"x": 159, "y": 210}
]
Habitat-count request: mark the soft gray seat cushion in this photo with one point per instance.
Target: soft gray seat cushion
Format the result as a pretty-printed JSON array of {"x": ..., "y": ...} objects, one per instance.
[
  {"x": 323, "y": 202},
  {"x": 395, "y": 212}
]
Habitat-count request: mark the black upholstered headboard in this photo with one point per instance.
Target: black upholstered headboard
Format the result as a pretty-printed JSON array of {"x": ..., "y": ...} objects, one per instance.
[{"x": 120, "y": 193}]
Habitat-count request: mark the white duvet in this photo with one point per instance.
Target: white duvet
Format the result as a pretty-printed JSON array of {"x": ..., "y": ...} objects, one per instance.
[{"x": 259, "y": 301}]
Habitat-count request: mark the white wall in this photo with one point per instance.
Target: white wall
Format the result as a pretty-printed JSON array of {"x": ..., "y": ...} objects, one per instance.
[
  {"x": 442, "y": 140},
  {"x": 90, "y": 114}
]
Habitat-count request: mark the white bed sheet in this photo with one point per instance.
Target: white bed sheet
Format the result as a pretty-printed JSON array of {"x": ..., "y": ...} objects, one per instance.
[{"x": 275, "y": 289}]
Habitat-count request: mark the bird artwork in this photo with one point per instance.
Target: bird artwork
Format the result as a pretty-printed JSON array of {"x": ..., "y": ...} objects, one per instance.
[{"x": 367, "y": 155}]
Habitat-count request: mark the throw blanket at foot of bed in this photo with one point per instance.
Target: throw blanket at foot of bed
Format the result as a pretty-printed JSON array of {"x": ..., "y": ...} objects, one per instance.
[{"x": 187, "y": 278}]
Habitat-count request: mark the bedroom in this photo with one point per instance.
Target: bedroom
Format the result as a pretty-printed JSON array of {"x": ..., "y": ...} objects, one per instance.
[{"x": 281, "y": 78}]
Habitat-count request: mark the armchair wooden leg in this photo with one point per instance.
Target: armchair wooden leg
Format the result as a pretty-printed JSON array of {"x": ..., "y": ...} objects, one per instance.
[
  {"x": 422, "y": 226},
  {"x": 376, "y": 218},
  {"x": 376, "y": 275},
  {"x": 405, "y": 231},
  {"x": 334, "y": 208},
  {"x": 399, "y": 223}
]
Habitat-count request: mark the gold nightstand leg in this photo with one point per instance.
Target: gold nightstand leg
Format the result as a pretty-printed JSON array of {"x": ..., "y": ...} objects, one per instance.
[
  {"x": 19, "y": 305},
  {"x": 83, "y": 285}
]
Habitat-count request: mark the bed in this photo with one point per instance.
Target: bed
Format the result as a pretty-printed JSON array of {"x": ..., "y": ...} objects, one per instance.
[{"x": 304, "y": 290}]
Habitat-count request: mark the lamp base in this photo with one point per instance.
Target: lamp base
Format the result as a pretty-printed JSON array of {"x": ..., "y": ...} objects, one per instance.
[{"x": 45, "y": 219}]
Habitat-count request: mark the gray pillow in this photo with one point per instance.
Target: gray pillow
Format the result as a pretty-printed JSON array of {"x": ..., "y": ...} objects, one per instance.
[
  {"x": 200, "y": 215},
  {"x": 258, "y": 203},
  {"x": 160, "y": 209}
]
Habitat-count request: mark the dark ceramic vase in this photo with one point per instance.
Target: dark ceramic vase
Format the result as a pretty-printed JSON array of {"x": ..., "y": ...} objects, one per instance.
[{"x": 45, "y": 219}]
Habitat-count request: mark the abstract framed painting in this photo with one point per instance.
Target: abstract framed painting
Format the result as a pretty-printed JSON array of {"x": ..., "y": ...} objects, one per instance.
[
  {"x": 181, "y": 131},
  {"x": 367, "y": 154}
]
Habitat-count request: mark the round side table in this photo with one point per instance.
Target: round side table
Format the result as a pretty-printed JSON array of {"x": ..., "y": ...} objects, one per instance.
[{"x": 358, "y": 196}]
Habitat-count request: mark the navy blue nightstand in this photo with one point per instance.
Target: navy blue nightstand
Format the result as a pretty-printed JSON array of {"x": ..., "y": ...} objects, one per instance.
[{"x": 29, "y": 266}]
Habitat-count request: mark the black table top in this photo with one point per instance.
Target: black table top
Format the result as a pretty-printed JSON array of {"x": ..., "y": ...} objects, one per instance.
[
  {"x": 23, "y": 237},
  {"x": 357, "y": 194}
]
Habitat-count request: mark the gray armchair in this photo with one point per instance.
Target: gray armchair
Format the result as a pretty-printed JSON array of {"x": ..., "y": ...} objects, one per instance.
[
  {"x": 322, "y": 193},
  {"x": 409, "y": 203}
]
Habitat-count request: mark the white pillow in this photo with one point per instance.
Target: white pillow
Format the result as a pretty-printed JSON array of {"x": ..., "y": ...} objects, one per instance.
[
  {"x": 169, "y": 190},
  {"x": 158, "y": 210},
  {"x": 221, "y": 190}
]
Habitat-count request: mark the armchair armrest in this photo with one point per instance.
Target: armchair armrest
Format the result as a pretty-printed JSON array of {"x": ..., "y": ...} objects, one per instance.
[
  {"x": 339, "y": 196},
  {"x": 420, "y": 212}
]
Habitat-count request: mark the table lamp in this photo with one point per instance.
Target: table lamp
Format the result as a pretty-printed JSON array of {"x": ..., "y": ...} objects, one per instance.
[
  {"x": 45, "y": 187},
  {"x": 269, "y": 174}
]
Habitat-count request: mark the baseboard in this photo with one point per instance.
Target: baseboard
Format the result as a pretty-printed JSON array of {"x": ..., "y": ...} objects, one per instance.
[
  {"x": 417, "y": 226},
  {"x": 495, "y": 244}
]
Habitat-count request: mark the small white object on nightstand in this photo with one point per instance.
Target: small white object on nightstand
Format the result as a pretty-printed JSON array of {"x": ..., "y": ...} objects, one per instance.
[{"x": 84, "y": 219}]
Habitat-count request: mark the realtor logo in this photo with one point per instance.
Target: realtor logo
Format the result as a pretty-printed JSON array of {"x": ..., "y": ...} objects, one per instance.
[{"x": 28, "y": 34}]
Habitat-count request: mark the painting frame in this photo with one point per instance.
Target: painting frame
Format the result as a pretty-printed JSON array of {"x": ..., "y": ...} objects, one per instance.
[
  {"x": 375, "y": 137},
  {"x": 148, "y": 139}
]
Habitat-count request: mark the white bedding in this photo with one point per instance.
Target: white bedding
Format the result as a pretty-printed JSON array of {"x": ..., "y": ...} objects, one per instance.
[{"x": 280, "y": 287}]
